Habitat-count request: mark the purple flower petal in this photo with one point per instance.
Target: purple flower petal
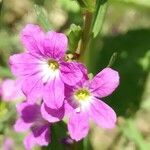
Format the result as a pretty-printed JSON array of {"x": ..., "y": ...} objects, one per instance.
[
  {"x": 55, "y": 44},
  {"x": 105, "y": 82},
  {"x": 32, "y": 38},
  {"x": 42, "y": 138},
  {"x": 53, "y": 95},
  {"x": 29, "y": 142},
  {"x": 21, "y": 126},
  {"x": 29, "y": 112},
  {"x": 70, "y": 73},
  {"x": 32, "y": 87},
  {"x": 68, "y": 108},
  {"x": 31, "y": 118},
  {"x": 41, "y": 134},
  {"x": 84, "y": 72},
  {"x": 102, "y": 114},
  {"x": 52, "y": 115},
  {"x": 78, "y": 125},
  {"x": 24, "y": 64},
  {"x": 20, "y": 107}
]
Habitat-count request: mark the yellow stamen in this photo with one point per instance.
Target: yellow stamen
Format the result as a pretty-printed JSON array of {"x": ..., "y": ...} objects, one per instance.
[
  {"x": 81, "y": 94},
  {"x": 53, "y": 64}
]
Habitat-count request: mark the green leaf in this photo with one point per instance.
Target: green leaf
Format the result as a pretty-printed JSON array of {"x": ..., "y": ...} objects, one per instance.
[
  {"x": 87, "y": 4},
  {"x": 70, "y": 5},
  {"x": 99, "y": 16},
  {"x": 90, "y": 4},
  {"x": 81, "y": 3},
  {"x": 74, "y": 36},
  {"x": 112, "y": 59},
  {"x": 90, "y": 76},
  {"x": 42, "y": 17}
]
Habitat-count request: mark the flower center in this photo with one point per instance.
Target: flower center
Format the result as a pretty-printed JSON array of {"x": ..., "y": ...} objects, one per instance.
[
  {"x": 53, "y": 64},
  {"x": 81, "y": 94}
]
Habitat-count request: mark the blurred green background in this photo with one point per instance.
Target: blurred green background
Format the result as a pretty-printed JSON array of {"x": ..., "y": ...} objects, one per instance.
[{"x": 126, "y": 31}]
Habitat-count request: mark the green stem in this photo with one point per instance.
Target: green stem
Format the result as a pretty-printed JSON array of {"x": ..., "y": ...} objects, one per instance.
[
  {"x": 77, "y": 145},
  {"x": 86, "y": 35}
]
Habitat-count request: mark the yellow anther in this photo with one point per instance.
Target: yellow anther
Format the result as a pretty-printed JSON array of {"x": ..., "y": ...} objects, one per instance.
[
  {"x": 81, "y": 94},
  {"x": 53, "y": 64}
]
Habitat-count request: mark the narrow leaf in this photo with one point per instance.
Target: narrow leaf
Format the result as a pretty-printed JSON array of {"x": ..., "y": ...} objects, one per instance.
[
  {"x": 87, "y": 4},
  {"x": 99, "y": 17},
  {"x": 112, "y": 59},
  {"x": 74, "y": 36},
  {"x": 70, "y": 5},
  {"x": 42, "y": 18},
  {"x": 82, "y": 3}
]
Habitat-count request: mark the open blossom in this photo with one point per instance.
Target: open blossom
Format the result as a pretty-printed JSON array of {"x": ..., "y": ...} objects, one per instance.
[
  {"x": 83, "y": 103},
  {"x": 42, "y": 67},
  {"x": 11, "y": 90},
  {"x": 55, "y": 115},
  {"x": 30, "y": 118}
]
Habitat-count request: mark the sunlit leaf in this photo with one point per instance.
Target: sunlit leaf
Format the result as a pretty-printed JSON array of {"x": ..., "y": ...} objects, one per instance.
[
  {"x": 70, "y": 5},
  {"x": 87, "y": 4},
  {"x": 42, "y": 17},
  {"x": 99, "y": 17},
  {"x": 74, "y": 36}
]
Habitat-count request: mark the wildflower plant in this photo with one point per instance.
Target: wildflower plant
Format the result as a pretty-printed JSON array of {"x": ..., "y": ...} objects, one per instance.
[{"x": 56, "y": 87}]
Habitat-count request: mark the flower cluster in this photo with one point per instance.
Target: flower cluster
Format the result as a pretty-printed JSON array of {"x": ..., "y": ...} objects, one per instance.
[{"x": 56, "y": 88}]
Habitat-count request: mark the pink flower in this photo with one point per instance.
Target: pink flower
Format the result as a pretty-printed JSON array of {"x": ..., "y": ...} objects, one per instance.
[
  {"x": 8, "y": 144},
  {"x": 30, "y": 118},
  {"x": 55, "y": 115},
  {"x": 42, "y": 67},
  {"x": 11, "y": 90},
  {"x": 83, "y": 103}
]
